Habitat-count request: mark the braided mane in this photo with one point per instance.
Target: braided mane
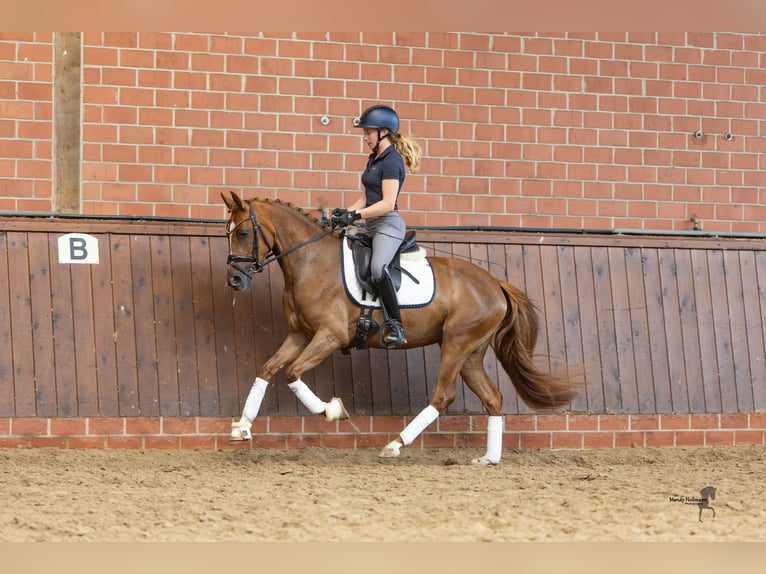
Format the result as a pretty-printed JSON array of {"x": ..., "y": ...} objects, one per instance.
[{"x": 287, "y": 204}]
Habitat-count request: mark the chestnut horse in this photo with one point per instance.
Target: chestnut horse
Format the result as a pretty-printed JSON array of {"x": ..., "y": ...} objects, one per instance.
[{"x": 470, "y": 311}]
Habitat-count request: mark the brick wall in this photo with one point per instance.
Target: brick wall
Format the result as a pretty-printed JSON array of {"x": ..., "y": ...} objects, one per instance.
[
  {"x": 579, "y": 130},
  {"x": 521, "y": 431}
]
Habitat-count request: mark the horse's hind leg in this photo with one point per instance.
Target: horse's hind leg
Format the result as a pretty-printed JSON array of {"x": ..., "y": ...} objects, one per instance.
[{"x": 476, "y": 378}]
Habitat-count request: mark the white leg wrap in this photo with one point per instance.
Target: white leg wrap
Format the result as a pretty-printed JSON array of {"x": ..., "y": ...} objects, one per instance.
[
  {"x": 418, "y": 424},
  {"x": 494, "y": 441},
  {"x": 307, "y": 397},
  {"x": 254, "y": 398}
]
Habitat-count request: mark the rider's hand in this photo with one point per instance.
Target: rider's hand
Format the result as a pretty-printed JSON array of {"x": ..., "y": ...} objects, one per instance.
[{"x": 343, "y": 217}]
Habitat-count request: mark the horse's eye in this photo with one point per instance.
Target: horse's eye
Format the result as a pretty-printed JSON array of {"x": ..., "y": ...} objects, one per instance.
[{"x": 243, "y": 233}]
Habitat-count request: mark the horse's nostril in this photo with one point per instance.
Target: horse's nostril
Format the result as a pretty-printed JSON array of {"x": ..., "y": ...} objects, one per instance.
[{"x": 234, "y": 281}]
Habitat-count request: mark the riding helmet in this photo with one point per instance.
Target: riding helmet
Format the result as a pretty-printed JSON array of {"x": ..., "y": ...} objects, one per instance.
[{"x": 379, "y": 117}]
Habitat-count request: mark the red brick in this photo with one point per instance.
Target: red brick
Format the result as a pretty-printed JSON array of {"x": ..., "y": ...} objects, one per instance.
[
  {"x": 535, "y": 440},
  {"x": 5, "y": 427},
  {"x": 757, "y": 420},
  {"x": 674, "y": 422},
  {"x": 583, "y": 422},
  {"x": 734, "y": 420},
  {"x": 660, "y": 438},
  {"x": 87, "y": 441},
  {"x": 690, "y": 438},
  {"x": 520, "y": 422},
  {"x": 458, "y": 423},
  {"x": 214, "y": 425},
  {"x": 613, "y": 422},
  {"x": 719, "y": 438},
  {"x": 290, "y": 425},
  {"x": 198, "y": 442},
  {"x": 268, "y": 441},
  {"x": 162, "y": 442},
  {"x": 567, "y": 440},
  {"x": 48, "y": 442},
  {"x": 624, "y": 439},
  {"x": 299, "y": 441},
  {"x": 142, "y": 425},
  {"x": 29, "y": 426},
  {"x": 704, "y": 421},
  {"x": 470, "y": 439},
  {"x": 644, "y": 422},
  {"x": 103, "y": 425},
  {"x": 14, "y": 442},
  {"x": 749, "y": 437},
  {"x": 344, "y": 441},
  {"x": 362, "y": 424},
  {"x": 126, "y": 442},
  {"x": 372, "y": 440},
  {"x": 438, "y": 440},
  {"x": 179, "y": 425}
]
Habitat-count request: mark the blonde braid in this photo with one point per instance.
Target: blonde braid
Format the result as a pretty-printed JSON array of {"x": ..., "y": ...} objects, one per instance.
[{"x": 409, "y": 149}]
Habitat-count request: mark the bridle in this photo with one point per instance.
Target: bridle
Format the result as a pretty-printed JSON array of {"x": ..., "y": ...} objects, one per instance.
[{"x": 254, "y": 259}]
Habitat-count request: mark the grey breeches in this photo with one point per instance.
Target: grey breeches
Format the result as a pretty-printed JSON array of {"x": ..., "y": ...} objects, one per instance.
[{"x": 387, "y": 235}]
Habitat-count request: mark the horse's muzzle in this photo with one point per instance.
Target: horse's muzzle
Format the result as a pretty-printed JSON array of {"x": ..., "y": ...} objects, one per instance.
[{"x": 237, "y": 280}]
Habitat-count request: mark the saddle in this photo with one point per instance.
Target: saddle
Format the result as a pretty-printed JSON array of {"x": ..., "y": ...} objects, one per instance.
[{"x": 361, "y": 249}]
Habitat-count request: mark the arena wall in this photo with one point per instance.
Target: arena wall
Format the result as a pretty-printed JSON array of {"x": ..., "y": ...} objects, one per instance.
[{"x": 546, "y": 133}]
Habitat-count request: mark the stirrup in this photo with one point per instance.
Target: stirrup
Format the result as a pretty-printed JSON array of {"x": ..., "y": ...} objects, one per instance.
[{"x": 394, "y": 335}]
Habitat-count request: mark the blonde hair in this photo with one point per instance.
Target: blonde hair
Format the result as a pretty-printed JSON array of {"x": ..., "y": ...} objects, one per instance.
[{"x": 409, "y": 149}]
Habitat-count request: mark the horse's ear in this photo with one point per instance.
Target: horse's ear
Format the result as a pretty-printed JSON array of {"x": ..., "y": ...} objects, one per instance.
[{"x": 234, "y": 203}]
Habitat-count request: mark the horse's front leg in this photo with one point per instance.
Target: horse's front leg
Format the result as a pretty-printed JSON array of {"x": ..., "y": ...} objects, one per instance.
[{"x": 287, "y": 352}]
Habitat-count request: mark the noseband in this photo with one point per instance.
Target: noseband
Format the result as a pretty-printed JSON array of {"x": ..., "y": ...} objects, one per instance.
[{"x": 254, "y": 258}]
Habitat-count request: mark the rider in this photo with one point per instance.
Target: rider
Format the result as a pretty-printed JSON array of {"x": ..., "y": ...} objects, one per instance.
[{"x": 382, "y": 181}]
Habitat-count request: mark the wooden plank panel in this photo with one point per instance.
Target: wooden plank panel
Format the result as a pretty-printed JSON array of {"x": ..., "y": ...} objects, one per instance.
[
  {"x": 571, "y": 318},
  {"x": 690, "y": 331},
  {"x": 759, "y": 383},
  {"x": 657, "y": 342},
  {"x": 107, "y": 338},
  {"x": 380, "y": 382},
  {"x": 738, "y": 328},
  {"x": 225, "y": 332},
  {"x": 360, "y": 382},
  {"x": 621, "y": 310},
  {"x": 42, "y": 326},
  {"x": 553, "y": 321},
  {"x": 145, "y": 336},
  {"x": 204, "y": 325},
  {"x": 86, "y": 362},
  {"x": 63, "y": 332},
  {"x": 7, "y": 407},
  {"x": 722, "y": 330},
  {"x": 167, "y": 371},
  {"x": 586, "y": 302},
  {"x": 705, "y": 322},
  {"x": 21, "y": 326},
  {"x": 674, "y": 340},
  {"x": 610, "y": 371},
  {"x": 514, "y": 265},
  {"x": 639, "y": 331},
  {"x": 125, "y": 318},
  {"x": 753, "y": 326},
  {"x": 183, "y": 313},
  {"x": 533, "y": 275}
]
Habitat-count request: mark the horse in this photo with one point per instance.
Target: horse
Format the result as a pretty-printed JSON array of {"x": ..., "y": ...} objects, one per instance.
[
  {"x": 470, "y": 310},
  {"x": 706, "y": 495}
]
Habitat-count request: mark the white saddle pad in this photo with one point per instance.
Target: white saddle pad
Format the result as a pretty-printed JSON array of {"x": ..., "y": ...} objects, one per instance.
[{"x": 410, "y": 294}]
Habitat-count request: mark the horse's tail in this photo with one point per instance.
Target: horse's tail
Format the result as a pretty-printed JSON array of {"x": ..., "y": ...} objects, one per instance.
[{"x": 514, "y": 344}]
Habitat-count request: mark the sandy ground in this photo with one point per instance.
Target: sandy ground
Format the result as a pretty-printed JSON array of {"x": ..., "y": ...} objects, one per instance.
[{"x": 317, "y": 495}]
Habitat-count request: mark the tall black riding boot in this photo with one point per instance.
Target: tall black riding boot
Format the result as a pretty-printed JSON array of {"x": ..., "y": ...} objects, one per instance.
[{"x": 392, "y": 334}]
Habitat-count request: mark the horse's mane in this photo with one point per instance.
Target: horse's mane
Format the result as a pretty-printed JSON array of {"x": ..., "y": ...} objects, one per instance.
[{"x": 290, "y": 206}]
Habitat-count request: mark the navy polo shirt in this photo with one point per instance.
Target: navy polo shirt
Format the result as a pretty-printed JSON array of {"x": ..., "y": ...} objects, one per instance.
[{"x": 388, "y": 165}]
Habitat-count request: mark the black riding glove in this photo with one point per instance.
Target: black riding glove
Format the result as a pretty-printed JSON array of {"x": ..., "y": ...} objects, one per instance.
[{"x": 342, "y": 217}]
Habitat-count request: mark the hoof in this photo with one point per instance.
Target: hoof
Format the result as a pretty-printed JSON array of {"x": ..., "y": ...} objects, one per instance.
[
  {"x": 240, "y": 432},
  {"x": 391, "y": 450},
  {"x": 335, "y": 411},
  {"x": 485, "y": 461}
]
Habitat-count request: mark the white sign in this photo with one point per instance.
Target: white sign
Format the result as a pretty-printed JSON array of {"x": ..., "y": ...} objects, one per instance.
[{"x": 78, "y": 248}]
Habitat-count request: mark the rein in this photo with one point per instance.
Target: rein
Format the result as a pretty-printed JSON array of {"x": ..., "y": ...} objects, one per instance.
[{"x": 254, "y": 258}]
